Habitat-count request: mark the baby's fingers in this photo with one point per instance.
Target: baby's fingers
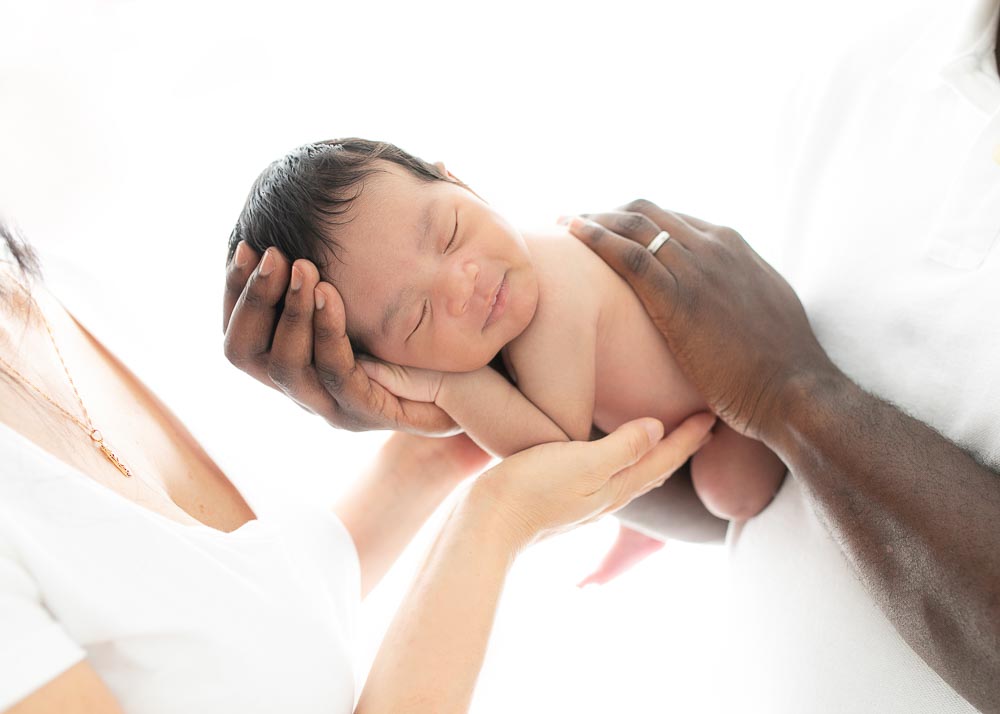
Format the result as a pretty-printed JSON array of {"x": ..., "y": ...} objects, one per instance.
[{"x": 419, "y": 385}]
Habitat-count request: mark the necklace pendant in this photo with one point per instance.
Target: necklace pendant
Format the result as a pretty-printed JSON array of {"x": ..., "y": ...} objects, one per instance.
[{"x": 113, "y": 458}]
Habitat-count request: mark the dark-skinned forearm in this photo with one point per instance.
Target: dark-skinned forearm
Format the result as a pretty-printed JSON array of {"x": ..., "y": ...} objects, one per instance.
[{"x": 917, "y": 517}]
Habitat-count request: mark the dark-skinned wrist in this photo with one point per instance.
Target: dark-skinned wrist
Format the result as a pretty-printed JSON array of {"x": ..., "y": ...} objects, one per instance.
[{"x": 807, "y": 405}]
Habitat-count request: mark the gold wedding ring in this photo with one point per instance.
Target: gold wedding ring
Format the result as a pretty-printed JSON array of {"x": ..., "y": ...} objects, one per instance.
[{"x": 657, "y": 242}]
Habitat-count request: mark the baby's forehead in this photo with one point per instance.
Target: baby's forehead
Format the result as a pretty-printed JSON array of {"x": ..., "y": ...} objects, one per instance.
[
  {"x": 371, "y": 251},
  {"x": 366, "y": 294}
]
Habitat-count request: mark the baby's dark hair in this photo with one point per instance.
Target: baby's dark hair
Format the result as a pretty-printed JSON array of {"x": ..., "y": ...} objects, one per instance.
[{"x": 298, "y": 201}]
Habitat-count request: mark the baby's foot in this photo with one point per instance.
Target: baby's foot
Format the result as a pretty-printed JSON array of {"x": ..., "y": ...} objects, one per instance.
[{"x": 630, "y": 548}]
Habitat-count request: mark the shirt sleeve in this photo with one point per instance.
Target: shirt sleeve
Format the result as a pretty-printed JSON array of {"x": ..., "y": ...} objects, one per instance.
[{"x": 34, "y": 648}]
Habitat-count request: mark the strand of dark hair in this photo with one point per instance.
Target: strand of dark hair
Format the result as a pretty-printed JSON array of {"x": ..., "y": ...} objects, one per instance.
[{"x": 24, "y": 257}]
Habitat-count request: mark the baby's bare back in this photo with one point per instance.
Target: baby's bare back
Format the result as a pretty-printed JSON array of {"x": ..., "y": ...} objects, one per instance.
[{"x": 635, "y": 373}]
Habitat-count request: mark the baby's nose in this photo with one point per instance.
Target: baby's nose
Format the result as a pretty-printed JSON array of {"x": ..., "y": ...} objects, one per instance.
[{"x": 461, "y": 286}]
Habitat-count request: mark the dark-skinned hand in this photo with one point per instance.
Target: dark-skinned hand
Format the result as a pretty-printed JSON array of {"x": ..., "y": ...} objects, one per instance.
[
  {"x": 735, "y": 326},
  {"x": 287, "y": 329}
]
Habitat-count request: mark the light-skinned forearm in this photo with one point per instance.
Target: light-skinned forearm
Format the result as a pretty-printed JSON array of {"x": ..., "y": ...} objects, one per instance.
[
  {"x": 495, "y": 413},
  {"x": 432, "y": 654},
  {"x": 385, "y": 508},
  {"x": 916, "y": 516}
]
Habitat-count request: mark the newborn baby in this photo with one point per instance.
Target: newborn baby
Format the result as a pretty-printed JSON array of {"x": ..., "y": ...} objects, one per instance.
[{"x": 435, "y": 281}]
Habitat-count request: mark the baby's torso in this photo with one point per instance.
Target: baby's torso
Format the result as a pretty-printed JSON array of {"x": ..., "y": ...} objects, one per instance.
[{"x": 635, "y": 373}]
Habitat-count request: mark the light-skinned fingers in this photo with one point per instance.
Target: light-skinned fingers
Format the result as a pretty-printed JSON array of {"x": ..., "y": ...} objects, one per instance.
[
  {"x": 625, "y": 446},
  {"x": 254, "y": 319},
  {"x": 238, "y": 271},
  {"x": 660, "y": 462},
  {"x": 292, "y": 349}
]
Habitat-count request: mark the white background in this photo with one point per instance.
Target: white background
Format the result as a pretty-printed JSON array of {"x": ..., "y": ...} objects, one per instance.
[{"x": 130, "y": 133}]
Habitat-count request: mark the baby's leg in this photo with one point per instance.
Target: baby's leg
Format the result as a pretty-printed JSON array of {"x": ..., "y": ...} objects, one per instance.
[{"x": 734, "y": 475}]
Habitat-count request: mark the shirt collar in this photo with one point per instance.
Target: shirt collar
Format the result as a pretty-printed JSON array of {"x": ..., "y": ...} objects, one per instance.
[{"x": 956, "y": 49}]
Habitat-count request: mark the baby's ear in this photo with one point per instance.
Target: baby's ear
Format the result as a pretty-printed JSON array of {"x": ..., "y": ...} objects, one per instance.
[{"x": 439, "y": 165}]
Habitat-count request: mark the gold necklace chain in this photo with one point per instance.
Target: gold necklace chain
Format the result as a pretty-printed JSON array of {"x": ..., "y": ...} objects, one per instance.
[{"x": 93, "y": 432}]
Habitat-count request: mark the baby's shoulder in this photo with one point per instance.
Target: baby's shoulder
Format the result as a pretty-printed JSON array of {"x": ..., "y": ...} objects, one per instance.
[
  {"x": 573, "y": 289},
  {"x": 565, "y": 264}
]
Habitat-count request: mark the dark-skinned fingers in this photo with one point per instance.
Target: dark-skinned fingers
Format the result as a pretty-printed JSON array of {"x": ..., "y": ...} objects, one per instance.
[
  {"x": 670, "y": 221},
  {"x": 360, "y": 403},
  {"x": 634, "y": 226},
  {"x": 238, "y": 271},
  {"x": 628, "y": 257},
  {"x": 651, "y": 277},
  {"x": 647, "y": 208},
  {"x": 252, "y": 324},
  {"x": 712, "y": 234},
  {"x": 333, "y": 355},
  {"x": 698, "y": 223},
  {"x": 674, "y": 223},
  {"x": 292, "y": 350},
  {"x": 664, "y": 218}
]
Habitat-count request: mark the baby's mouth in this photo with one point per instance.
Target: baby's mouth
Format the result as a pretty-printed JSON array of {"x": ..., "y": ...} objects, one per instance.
[{"x": 499, "y": 302}]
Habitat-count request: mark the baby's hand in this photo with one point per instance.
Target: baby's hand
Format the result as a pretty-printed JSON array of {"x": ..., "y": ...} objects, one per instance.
[{"x": 419, "y": 385}]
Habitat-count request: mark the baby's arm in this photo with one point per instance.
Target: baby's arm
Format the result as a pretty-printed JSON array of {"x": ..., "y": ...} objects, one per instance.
[
  {"x": 553, "y": 399},
  {"x": 494, "y": 413},
  {"x": 554, "y": 396}
]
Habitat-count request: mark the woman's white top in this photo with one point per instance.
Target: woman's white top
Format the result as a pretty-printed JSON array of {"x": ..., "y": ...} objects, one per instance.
[{"x": 173, "y": 617}]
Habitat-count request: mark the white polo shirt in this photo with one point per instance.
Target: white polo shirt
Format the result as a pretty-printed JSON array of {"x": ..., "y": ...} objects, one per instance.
[{"x": 893, "y": 217}]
